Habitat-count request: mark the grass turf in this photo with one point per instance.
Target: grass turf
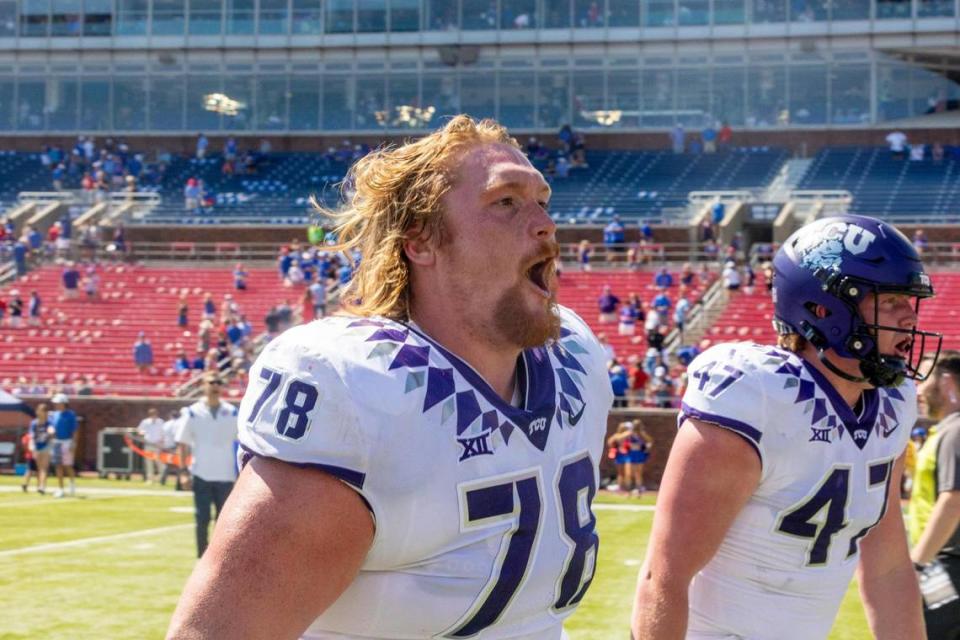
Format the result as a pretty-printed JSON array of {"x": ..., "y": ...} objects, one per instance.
[{"x": 124, "y": 583}]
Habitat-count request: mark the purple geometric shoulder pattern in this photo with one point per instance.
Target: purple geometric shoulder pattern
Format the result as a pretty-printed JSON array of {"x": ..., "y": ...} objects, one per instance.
[
  {"x": 483, "y": 421},
  {"x": 830, "y": 417}
]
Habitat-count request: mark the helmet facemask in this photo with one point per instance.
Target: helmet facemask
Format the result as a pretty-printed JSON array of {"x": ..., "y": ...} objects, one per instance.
[{"x": 863, "y": 341}]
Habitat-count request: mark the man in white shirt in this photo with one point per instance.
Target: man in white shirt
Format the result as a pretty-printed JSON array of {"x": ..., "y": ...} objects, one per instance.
[
  {"x": 898, "y": 142},
  {"x": 151, "y": 430},
  {"x": 209, "y": 428}
]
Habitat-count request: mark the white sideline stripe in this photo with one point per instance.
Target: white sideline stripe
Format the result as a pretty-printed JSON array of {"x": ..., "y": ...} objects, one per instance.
[
  {"x": 83, "y": 541},
  {"x": 623, "y": 507},
  {"x": 110, "y": 492}
]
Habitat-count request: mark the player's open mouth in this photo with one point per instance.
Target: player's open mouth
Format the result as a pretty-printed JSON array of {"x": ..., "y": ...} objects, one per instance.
[
  {"x": 903, "y": 347},
  {"x": 538, "y": 274}
]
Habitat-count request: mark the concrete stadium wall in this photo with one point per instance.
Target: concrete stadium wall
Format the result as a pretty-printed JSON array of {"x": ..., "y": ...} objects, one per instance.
[
  {"x": 280, "y": 234},
  {"x": 100, "y": 413}
]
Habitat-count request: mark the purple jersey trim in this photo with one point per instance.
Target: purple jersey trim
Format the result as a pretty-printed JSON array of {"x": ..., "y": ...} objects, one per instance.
[
  {"x": 742, "y": 429},
  {"x": 353, "y": 478}
]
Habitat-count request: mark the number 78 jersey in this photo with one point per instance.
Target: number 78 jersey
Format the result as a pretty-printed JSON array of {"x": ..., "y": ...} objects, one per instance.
[
  {"x": 787, "y": 559},
  {"x": 482, "y": 508}
]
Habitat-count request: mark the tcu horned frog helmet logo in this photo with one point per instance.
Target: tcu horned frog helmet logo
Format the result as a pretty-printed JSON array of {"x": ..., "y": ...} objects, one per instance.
[
  {"x": 825, "y": 250},
  {"x": 822, "y": 274}
]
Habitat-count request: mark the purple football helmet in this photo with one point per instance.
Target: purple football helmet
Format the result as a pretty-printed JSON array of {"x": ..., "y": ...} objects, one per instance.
[{"x": 835, "y": 262}]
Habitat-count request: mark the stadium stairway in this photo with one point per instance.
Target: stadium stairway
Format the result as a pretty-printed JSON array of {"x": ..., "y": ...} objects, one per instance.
[{"x": 79, "y": 338}]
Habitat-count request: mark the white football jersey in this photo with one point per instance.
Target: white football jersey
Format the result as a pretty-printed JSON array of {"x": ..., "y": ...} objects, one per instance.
[
  {"x": 787, "y": 560},
  {"x": 482, "y": 509}
]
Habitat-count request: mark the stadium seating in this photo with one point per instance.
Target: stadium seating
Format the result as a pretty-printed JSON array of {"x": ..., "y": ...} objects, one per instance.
[
  {"x": 580, "y": 290},
  {"x": 632, "y": 184},
  {"x": 748, "y": 316},
  {"x": 655, "y": 184},
  {"x": 891, "y": 188},
  {"x": 96, "y": 338}
]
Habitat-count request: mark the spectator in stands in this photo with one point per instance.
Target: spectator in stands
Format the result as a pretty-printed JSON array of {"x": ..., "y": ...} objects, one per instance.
[
  {"x": 709, "y": 137},
  {"x": 318, "y": 297},
  {"x": 768, "y": 276},
  {"x": 20, "y": 258},
  {"x": 663, "y": 279},
  {"x": 70, "y": 279},
  {"x": 661, "y": 303},
  {"x": 143, "y": 353},
  {"x": 240, "y": 277},
  {"x": 917, "y": 152},
  {"x": 936, "y": 153},
  {"x": 658, "y": 335},
  {"x": 64, "y": 442},
  {"x": 199, "y": 359},
  {"x": 731, "y": 276},
  {"x": 751, "y": 278},
  {"x": 33, "y": 309},
  {"x": 584, "y": 252},
  {"x": 619, "y": 382},
  {"x": 725, "y": 137},
  {"x": 209, "y": 428},
  {"x": 183, "y": 310},
  {"x": 661, "y": 388},
  {"x": 3, "y": 311},
  {"x": 681, "y": 311},
  {"x": 628, "y": 319},
  {"x": 284, "y": 262},
  {"x": 228, "y": 307},
  {"x": 16, "y": 308},
  {"x": 191, "y": 195},
  {"x": 897, "y": 141},
  {"x": 202, "y": 144},
  {"x": 151, "y": 430},
  {"x": 614, "y": 235},
  {"x": 706, "y": 230},
  {"x": 209, "y": 306},
  {"x": 920, "y": 241},
  {"x": 646, "y": 231},
  {"x": 678, "y": 139},
  {"x": 285, "y": 314},
  {"x": 608, "y": 349},
  {"x": 91, "y": 283},
  {"x": 687, "y": 275},
  {"x": 607, "y": 304},
  {"x": 711, "y": 251},
  {"x": 638, "y": 379},
  {"x": 182, "y": 363}
]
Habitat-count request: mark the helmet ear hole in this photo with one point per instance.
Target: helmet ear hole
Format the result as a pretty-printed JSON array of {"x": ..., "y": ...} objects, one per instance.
[{"x": 817, "y": 310}]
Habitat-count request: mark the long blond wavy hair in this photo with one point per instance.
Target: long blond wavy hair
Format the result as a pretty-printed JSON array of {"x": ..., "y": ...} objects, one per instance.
[{"x": 397, "y": 190}]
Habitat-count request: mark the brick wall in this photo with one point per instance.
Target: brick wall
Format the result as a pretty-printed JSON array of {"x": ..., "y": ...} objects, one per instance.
[{"x": 100, "y": 413}]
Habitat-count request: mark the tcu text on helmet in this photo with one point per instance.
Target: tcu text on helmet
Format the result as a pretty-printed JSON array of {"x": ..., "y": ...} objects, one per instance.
[{"x": 855, "y": 238}]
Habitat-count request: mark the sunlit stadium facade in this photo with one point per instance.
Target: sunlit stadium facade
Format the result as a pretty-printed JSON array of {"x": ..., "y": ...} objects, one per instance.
[{"x": 328, "y": 66}]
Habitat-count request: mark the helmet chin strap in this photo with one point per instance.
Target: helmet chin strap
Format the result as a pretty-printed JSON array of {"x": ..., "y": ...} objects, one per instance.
[
  {"x": 878, "y": 374},
  {"x": 835, "y": 369}
]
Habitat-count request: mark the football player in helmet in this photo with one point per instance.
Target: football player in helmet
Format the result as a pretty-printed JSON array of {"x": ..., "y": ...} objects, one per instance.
[
  {"x": 422, "y": 466},
  {"x": 784, "y": 477}
]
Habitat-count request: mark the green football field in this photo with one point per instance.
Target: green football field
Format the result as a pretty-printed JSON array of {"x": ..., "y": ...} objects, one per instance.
[{"x": 110, "y": 563}]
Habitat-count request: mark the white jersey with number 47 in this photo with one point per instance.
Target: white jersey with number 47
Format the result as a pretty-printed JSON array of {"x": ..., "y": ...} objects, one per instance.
[
  {"x": 482, "y": 508},
  {"x": 787, "y": 560}
]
